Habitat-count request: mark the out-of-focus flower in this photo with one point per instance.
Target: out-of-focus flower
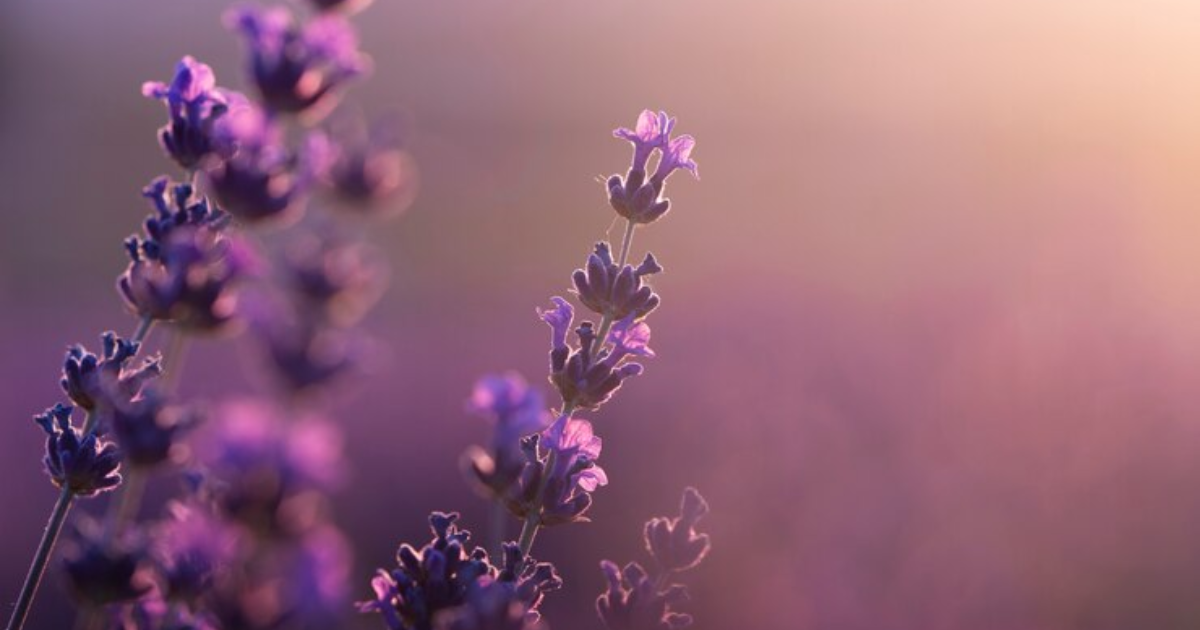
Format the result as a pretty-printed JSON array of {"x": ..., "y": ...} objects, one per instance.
[
  {"x": 194, "y": 103},
  {"x": 268, "y": 472},
  {"x": 633, "y": 196},
  {"x": 84, "y": 464},
  {"x": 103, "y": 570},
  {"x": 365, "y": 167},
  {"x": 673, "y": 542},
  {"x": 147, "y": 429},
  {"x": 344, "y": 6},
  {"x": 490, "y": 605},
  {"x": 258, "y": 182},
  {"x": 338, "y": 278},
  {"x": 585, "y": 381},
  {"x": 616, "y": 291},
  {"x": 636, "y": 600},
  {"x": 189, "y": 549},
  {"x": 298, "y": 68},
  {"x": 516, "y": 410},
  {"x": 91, "y": 381}
]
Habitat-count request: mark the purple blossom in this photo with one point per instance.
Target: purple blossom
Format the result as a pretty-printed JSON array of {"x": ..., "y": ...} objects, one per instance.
[
  {"x": 82, "y": 463},
  {"x": 190, "y": 549},
  {"x": 91, "y": 381},
  {"x": 194, "y": 104},
  {"x": 344, "y": 6},
  {"x": 176, "y": 206},
  {"x": 336, "y": 278},
  {"x": 516, "y": 410},
  {"x": 258, "y": 183},
  {"x": 490, "y": 605},
  {"x": 298, "y": 68},
  {"x": 586, "y": 380},
  {"x": 365, "y": 167},
  {"x": 572, "y": 474},
  {"x": 633, "y": 196},
  {"x": 148, "y": 428},
  {"x": 103, "y": 570},
  {"x": 615, "y": 291}
]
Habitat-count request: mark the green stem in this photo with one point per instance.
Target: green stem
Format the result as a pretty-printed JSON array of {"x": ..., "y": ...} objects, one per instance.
[
  {"x": 143, "y": 329},
  {"x": 606, "y": 322},
  {"x": 38, "y": 568},
  {"x": 528, "y": 532}
]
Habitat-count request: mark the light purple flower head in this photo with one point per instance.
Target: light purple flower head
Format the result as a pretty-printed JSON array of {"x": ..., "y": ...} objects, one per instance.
[
  {"x": 575, "y": 442},
  {"x": 364, "y": 166},
  {"x": 633, "y": 196},
  {"x": 190, "y": 548},
  {"x": 517, "y": 409},
  {"x": 587, "y": 377},
  {"x": 559, "y": 319},
  {"x": 298, "y": 69},
  {"x": 629, "y": 337},
  {"x": 259, "y": 182},
  {"x": 194, "y": 103}
]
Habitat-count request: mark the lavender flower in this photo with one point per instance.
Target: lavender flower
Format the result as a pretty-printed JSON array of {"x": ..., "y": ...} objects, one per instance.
[
  {"x": 344, "y": 6},
  {"x": 613, "y": 291},
  {"x": 636, "y": 600},
  {"x": 516, "y": 410},
  {"x": 257, "y": 183},
  {"x": 148, "y": 429},
  {"x": 298, "y": 69},
  {"x": 365, "y": 167},
  {"x": 337, "y": 278},
  {"x": 432, "y": 585},
  {"x": 78, "y": 462},
  {"x": 176, "y": 205},
  {"x": 194, "y": 103},
  {"x": 635, "y": 198},
  {"x": 584, "y": 380},
  {"x": 266, "y": 472},
  {"x": 673, "y": 542},
  {"x": 190, "y": 549},
  {"x": 101, "y": 570},
  {"x": 305, "y": 357},
  {"x": 91, "y": 381},
  {"x": 572, "y": 474},
  {"x": 490, "y": 605}
]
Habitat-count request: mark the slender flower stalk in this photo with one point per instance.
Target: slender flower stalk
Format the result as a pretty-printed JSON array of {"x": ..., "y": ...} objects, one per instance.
[{"x": 33, "y": 579}]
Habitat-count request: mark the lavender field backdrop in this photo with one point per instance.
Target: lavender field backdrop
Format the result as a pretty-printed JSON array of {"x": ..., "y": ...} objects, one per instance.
[{"x": 930, "y": 341}]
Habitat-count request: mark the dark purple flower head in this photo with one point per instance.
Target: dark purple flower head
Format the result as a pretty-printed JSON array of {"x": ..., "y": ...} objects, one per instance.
[
  {"x": 266, "y": 470},
  {"x": 634, "y": 196},
  {"x": 101, "y": 569},
  {"x": 635, "y": 602},
  {"x": 147, "y": 429},
  {"x": 584, "y": 380},
  {"x": 433, "y": 578},
  {"x": 190, "y": 549},
  {"x": 615, "y": 291},
  {"x": 673, "y": 542},
  {"x": 490, "y": 605},
  {"x": 365, "y": 167},
  {"x": 194, "y": 104},
  {"x": 176, "y": 206},
  {"x": 259, "y": 182},
  {"x": 111, "y": 378},
  {"x": 336, "y": 278},
  {"x": 298, "y": 69},
  {"x": 82, "y": 463},
  {"x": 191, "y": 279}
]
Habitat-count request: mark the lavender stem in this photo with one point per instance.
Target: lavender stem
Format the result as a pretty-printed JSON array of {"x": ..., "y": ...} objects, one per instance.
[{"x": 38, "y": 568}]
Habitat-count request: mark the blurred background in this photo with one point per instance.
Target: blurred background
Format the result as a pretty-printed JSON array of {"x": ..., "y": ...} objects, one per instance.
[{"x": 930, "y": 340}]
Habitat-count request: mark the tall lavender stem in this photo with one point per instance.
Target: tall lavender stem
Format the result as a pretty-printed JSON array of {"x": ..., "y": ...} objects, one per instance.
[{"x": 38, "y": 568}]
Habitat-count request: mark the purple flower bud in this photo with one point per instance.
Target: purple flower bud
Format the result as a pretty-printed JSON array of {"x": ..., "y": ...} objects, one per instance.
[
  {"x": 337, "y": 278},
  {"x": 91, "y": 381},
  {"x": 651, "y": 132},
  {"x": 298, "y": 68},
  {"x": 257, "y": 183},
  {"x": 194, "y": 103},
  {"x": 673, "y": 542},
  {"x": 101, "y": 570},
  {"x": 614, "y": 291},
  {"x": 81, "y": 463}
]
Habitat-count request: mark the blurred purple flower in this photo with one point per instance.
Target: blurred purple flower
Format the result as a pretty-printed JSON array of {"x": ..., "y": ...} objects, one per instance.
[
  {"x": 616, "y": 291},
  {"x": 148, "y": 428},
  {"x": 344, "y": 6},
  {"x": 91, "y": 381},
  {"x": 258, "y": 182},
  {"x": 194, "y": 103},
  {"x": 102, "y": 569},
  {"x": 189, "y": 549},
  {"x": 339, "y": 279},
  {"x": 298, "y": 69},
  {"x": 365, "y": 167},
  {"x": 84, "y": 464},
  {"x": 516, "y": 410}
]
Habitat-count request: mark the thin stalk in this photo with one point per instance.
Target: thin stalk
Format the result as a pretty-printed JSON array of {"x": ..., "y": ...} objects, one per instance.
[
  {"x": 125, "y": 508},
  {"x": 38, "y": 568},
  {"x": 173, "y": 362},
  {"x": 606, "y": 322},
  {"x": 499, "y": 522},
  {"x": 528, "y": 532},
  {"x": 143, "y": 329}
]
